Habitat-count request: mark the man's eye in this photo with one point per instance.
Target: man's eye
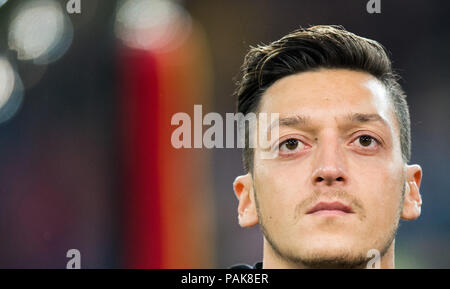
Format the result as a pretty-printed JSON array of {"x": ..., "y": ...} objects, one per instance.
[
  {"x": 290, "y": 145},
  {"x": 366, "y": 141}
]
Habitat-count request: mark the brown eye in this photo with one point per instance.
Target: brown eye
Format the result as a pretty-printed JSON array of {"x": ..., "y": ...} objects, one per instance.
[
  {"x": 290, "y": 144},
  {"x": 366, "y": 140}
]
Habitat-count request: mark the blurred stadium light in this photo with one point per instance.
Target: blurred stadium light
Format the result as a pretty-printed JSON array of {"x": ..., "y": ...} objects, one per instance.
[
  {"x": 40, "y": 31},
  {"x": 2, "y": 2},
  {"x": 11, "y": 90},
  {"x": 152, "y": 24}
]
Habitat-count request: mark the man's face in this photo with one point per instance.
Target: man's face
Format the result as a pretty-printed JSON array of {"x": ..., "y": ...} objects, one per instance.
[{"x": 335, "y": 189}]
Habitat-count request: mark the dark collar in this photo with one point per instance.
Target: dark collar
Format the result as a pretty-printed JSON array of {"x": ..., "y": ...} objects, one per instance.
[{"x": 258, "y": 265}]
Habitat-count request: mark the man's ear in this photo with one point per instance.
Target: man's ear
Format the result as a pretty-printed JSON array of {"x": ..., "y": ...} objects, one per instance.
[
  {"x": 243, "y": 188},
  {"x": 413, "y": 200}
]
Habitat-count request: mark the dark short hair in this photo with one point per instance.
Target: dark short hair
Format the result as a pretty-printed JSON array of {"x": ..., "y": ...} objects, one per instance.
[{"x": 313, "y": 48}]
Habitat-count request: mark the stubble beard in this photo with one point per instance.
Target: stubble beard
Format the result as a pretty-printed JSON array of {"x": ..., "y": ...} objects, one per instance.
[{"x": 317, "y": 261}]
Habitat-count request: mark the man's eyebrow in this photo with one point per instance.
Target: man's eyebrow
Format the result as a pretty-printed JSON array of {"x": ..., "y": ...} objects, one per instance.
[
  {"x": 365, "y": 117},
  {"x": 300, "y": 120},
  {"x": 295, "y": 120}
]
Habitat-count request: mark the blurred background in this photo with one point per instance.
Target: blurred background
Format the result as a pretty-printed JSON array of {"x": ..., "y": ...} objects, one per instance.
[{"x": 86, "y": 97}]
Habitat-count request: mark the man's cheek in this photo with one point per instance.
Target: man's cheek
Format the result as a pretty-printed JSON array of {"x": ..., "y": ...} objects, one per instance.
[
  {"x": 275, "y": 209},
  {"x": 382, "y": 210}
]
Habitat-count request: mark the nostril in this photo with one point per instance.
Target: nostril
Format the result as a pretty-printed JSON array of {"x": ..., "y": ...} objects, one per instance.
[
  {"x": 319, "y": 179},
  {"x": 340, "y": 179}
]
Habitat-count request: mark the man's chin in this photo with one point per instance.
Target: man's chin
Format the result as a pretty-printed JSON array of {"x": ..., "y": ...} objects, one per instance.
[
  {"x": 331, "y": 255},
  {"x": 331, "y": 243},
  {"x": 334, "y": 261}
]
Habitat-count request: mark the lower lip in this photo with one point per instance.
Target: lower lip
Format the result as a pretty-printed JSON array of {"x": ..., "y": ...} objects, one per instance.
[{"x": 329, "y": 213}]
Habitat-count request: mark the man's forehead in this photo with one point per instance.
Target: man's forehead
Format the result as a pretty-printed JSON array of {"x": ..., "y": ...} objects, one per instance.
[{"x": 328, "y": 94}]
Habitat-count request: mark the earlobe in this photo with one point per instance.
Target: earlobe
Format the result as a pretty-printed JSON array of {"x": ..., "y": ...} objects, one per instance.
[
  {"x": 243, "y": 189},
  {"x": 413, "y": 200}
]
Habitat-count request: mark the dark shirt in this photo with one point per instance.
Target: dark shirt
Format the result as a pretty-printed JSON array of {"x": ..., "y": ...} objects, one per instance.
[{"x": 258, "y": 265}]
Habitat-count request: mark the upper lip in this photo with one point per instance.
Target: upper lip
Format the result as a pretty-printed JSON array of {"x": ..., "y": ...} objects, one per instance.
[{"x": 330, "y": 206}]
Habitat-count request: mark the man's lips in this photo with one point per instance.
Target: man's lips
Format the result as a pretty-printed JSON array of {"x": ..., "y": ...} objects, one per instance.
[{"x": 330, "y": 208}]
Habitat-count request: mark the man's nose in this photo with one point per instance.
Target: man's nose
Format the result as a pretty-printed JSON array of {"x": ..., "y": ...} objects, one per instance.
[{"x": 329, "y": 164}]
